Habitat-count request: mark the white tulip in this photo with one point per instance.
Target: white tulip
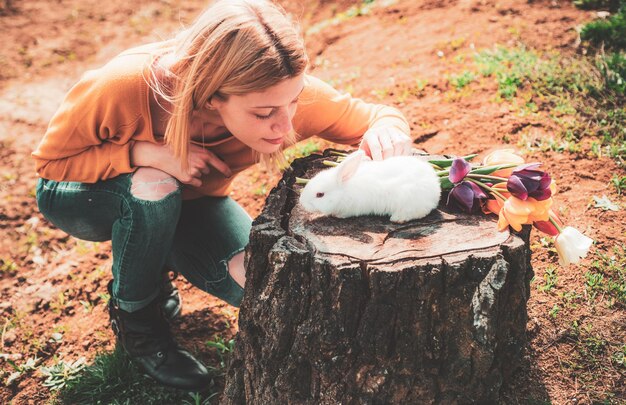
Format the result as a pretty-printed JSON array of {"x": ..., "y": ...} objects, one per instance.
[{"x": 571, "y": 246}]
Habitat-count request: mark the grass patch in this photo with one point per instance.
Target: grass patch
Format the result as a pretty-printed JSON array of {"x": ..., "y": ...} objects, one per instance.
[
  {"x": 606, "y": 277},
  {"x": 546, "y": 77},
  {"x": 619, "y": 357},
  {"x": 113, "y": 379},
  {"x": 584, "y": 96},
  {"x": 609, "y": 32},
  {"x": 511, "y": 68},
  {"x": 611, "y": 5},
  {"x": 613, "y": 70},
  {"x": 606, "y": 109},
  {"x": 619, "y": 183},
  {"x": 462, "y": 80},
  {"x": 550, "y": 279},
  {"x": 62, "y": 373},
  {"x": 357, "y": 10},
  {"x": 548, "y": 143},
  {"x": 223, "y": 349},
  {"x": 592, "y": 356},
  {"x": 301, "y": 149}
]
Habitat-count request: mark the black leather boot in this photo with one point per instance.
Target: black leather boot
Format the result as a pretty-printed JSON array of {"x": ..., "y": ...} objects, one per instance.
[
  {"x": 170, "y": 298},
  {"x": 146, "y": 337}
]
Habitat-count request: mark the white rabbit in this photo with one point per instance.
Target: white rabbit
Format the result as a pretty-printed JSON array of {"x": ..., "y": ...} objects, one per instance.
[{"x": 404, "y": 187}]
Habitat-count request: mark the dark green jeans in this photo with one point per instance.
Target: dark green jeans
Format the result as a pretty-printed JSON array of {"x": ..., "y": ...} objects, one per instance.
[{"x": 196, "y": 238}]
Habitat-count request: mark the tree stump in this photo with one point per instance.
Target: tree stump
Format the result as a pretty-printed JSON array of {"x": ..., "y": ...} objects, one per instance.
[{"x": 365, "y": 311}]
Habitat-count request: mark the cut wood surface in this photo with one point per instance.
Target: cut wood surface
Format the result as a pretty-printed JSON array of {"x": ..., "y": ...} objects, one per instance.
[{"x": 361, "y": 310}]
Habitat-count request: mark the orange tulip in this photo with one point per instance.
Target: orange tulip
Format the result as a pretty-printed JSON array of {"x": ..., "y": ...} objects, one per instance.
[
  {"x": 503, "y": 157},
  {"x": 516, "y": 212},
  {"x": 493, "y": 206}
]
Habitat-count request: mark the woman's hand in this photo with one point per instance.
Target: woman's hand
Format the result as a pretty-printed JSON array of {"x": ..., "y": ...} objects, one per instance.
[
  {"x": 382, "y": 143},
  {"x": 201, "y": 162}
]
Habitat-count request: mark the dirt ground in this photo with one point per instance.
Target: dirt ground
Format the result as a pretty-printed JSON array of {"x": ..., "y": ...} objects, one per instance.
[{"x": 51, "y": 283}]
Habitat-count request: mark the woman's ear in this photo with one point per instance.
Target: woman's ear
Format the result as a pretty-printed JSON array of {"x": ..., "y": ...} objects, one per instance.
[
  {"x": 209, "y": 105},
  {"x": 215, "y": 102}
]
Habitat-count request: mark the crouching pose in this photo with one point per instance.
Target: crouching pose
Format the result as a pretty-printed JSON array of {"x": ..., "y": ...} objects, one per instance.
[{"x": 142, "y": 152}]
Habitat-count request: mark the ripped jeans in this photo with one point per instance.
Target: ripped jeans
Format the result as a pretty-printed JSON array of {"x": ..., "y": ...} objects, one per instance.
[{"x": 152, "y": 228}]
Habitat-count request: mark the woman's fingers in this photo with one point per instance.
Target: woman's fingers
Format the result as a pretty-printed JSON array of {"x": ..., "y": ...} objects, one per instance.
[
  {"x": 386, "y": 144},
  {"x": 402, "y": 144},
  {"x": 208, "y": 158},
  {"x": 189, "y": 179},
  {"x": 375, "y": 149},
  {"x": 383, "y": 143},
  {"x": 398, "y": 148},
  {"x": 195, "y": 182},
  {"x": 203, "y": 167},
  {"x": 195, "y": 172}
]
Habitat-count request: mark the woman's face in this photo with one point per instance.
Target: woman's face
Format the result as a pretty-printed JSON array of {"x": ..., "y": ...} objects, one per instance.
[{"x": 262, "y": 119}]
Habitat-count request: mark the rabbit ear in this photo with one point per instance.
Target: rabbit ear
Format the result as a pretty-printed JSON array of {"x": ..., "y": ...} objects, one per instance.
[{"x": 349, "y": 165}]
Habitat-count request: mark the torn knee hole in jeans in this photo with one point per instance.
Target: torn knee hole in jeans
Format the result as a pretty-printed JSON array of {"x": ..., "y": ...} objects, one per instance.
[{"x": 153, "y": 190}]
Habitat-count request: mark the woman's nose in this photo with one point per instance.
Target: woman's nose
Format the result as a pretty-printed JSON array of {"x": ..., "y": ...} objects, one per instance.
[{"x": 282, "y": 125}]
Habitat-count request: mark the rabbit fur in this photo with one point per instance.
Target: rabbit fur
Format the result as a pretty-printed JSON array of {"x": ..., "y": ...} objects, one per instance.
[{"x": 404, "y": 187}]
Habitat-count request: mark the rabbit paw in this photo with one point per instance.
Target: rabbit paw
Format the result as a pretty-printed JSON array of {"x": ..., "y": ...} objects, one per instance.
[{"x": 400, "y": 219}]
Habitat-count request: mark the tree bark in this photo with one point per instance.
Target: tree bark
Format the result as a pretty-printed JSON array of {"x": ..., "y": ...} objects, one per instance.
[{"x": 365, "y": 311}]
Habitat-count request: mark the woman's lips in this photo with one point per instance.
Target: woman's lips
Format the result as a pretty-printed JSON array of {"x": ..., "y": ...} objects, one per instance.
[{"x": 274, "y": 141}]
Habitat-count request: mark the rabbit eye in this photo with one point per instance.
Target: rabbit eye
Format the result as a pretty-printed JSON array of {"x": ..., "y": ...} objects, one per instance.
[{"x": 319, "y": 195}]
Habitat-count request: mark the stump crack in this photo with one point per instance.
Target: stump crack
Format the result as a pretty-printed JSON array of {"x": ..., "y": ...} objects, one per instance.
[
  {"x": 367, "y": 294},
  {"x": 403, "y": 259},
  {"x": 413, "y": 224}
]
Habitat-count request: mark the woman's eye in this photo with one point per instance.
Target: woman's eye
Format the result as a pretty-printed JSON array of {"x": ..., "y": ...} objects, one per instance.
[{"x": 264, "y": 117}]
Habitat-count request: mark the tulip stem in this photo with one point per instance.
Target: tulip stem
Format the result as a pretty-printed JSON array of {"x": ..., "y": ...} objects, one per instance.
[
  {"x": 493, "y": 168},
  {"x": 300, "y": 180},
  {"x": 486, "y": 187},
  {"x": 556, "y": 225},
  {"x": 485, "y": 176}
]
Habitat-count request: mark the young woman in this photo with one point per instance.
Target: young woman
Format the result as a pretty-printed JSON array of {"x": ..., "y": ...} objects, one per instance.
[{"x": 142, "y": 152}]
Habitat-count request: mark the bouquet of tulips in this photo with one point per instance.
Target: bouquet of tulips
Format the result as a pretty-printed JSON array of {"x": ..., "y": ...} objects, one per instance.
[{"x": 518, "y": 192}]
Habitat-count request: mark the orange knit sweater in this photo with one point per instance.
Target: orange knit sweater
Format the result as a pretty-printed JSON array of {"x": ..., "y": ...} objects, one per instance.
[{"x": 90, "y": 136}]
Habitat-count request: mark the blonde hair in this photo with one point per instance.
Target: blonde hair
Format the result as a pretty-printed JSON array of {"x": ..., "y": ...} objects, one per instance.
[{"x": 234, "y": 47}]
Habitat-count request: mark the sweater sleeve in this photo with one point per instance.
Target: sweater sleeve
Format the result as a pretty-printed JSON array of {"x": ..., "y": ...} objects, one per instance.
[
  {"x": 341, "y": 118},
  {"x": 90, "y": 136},
  {"x": 98, "y": 162}
]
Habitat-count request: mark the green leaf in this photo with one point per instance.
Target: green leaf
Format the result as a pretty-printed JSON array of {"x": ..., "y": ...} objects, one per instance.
[
  {"x": 491, "y": 169},
  {"x": 446, "y": 184},
  {"x": 12, "y": 364},
  {"x": 448, "y": 162}
]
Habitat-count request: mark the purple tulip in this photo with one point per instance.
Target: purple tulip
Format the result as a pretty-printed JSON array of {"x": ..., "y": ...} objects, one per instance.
[
  {"x": 464, "y": 195},
  {"x": 458, "y": 170},
  {"x": 526, "y": 181}
]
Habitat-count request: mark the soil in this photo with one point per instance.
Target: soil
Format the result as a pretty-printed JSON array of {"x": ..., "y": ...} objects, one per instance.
[{"x": 53, "y": 283}]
